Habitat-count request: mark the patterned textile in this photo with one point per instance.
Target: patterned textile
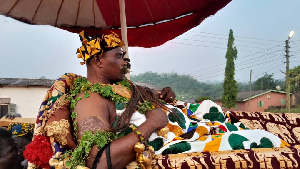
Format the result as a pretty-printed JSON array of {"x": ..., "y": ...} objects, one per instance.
[
  {"x": 195, "y": 128},
  {"x": 204, "y": 127},
  {"x": 276, "y": 158},
  {"x": 284, "y": 125},
  {"x": 20, "y": 129},
  {"x": 60, "y": 87}
]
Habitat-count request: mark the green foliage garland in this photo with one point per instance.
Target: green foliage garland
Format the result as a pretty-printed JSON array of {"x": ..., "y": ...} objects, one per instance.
[
  {"x": 79, "y": 155},
  {"x": 83, "y": 85}
]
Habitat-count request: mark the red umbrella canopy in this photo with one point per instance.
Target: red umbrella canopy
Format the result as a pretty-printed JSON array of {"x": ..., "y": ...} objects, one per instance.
[{"x": 150, "y": 22}]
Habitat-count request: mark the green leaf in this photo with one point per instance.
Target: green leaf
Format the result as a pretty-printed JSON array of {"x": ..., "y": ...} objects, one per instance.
[
  {"x": 68, "y": 164},
  {"x": 86, "y": 94}
]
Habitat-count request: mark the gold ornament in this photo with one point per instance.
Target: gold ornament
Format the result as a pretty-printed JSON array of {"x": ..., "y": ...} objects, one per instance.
[
  {"x": 151, "y": 151},
  {"x": 144, "y": 160},
  {"x": 144, "y": 155},
  {"x": 163, "y": 132},
  {"x": 139, "y": 147},
  {"x": 121, "y": 90}
]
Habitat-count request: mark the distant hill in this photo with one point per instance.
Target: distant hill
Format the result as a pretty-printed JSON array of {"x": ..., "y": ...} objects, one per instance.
[{"x": 185, "y": 86}]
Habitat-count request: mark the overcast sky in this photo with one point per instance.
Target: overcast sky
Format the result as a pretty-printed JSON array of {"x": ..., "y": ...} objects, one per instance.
[{"x": 260, "y": 28}]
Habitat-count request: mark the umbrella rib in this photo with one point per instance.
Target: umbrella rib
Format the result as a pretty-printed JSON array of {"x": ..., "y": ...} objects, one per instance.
[
  {"x": 149, "y": 11},
  {"x": 112, "y": 6},
  {"x": 169, "y": 7},
  {"x": 12, "y": 7},
  {"x": 94, "y": 13},
  {"x": 36, "y": 10},
  {"x": 188, "y": 3},
  {"x": 77, "y": 12},
  {"x": 59, "y": 12}
]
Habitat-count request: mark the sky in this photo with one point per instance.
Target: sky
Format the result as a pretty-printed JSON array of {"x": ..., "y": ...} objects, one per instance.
[{"x": 260, "y": 28}]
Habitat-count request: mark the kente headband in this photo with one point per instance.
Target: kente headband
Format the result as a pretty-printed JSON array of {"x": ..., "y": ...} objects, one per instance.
[{"x": 97, "y": 45}]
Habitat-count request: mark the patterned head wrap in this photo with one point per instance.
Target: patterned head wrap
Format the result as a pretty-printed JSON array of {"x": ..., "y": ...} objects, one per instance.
[{"x": 97, "y": 45}]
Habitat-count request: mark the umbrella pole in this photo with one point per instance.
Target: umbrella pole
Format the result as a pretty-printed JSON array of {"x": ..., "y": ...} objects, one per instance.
[{"x": 124, "y": 29}]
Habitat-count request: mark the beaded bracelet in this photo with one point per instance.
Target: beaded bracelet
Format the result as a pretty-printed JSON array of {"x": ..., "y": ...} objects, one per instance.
[{"x": 138, "y": 133}]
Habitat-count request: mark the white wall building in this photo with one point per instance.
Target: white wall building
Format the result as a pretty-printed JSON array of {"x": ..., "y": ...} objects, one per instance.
[{"x": 23, "y": 96}]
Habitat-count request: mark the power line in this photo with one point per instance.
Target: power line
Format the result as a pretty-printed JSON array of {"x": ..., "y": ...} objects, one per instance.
[
  {"x": 238, "y": 65},
  {"x": 196, "y": 40},
  {"x": 234, "y": 40},
  {"x": 269, "y": 70},
  {"x": 222, "y": 69},
  {"x": 199, "y": 45},
  {"x": 241, "y": 57},
  {"x": 188, "y": 44},
  {"x": 295, "y": 51},
  {"x": 241, "y": 69},
  {"x": 237, "y": 36},
  {"x": 295, "y": 47}
]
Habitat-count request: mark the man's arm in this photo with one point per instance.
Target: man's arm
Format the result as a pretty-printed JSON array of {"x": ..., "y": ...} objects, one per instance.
[{"x": 95, "y": 109}]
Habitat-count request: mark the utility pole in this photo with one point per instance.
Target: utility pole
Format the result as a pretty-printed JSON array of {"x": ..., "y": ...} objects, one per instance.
[
  {"x": 261, "y": 84},
  {"x": 287, "y": 76},
  {"x": 287, "y": 73},
  {"x": 249, "y": 91}
]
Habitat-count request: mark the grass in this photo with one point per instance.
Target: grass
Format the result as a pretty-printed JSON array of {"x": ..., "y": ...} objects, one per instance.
[{"x": 293, "y": 110}]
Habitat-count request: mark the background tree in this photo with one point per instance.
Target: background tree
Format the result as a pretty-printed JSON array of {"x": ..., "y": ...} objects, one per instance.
[
  {"x": 201, "y": 98},
  {"x": 230, "y": 87},
  {"x": 184, "y": 86},
  {"x": 265, "y": 82},
  {"x": 295, "y": 78}
]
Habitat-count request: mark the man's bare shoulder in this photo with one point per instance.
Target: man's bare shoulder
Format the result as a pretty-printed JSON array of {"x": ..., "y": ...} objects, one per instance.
[
  {"x": 92, "y": 113},
  {"x": 94, "y": 105}
]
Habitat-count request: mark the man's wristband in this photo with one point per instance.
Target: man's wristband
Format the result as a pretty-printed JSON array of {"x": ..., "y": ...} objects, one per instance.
[{"x": 138, "y": 133}]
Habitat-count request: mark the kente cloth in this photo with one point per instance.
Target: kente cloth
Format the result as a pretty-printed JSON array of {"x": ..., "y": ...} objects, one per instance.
[
  {"x": 199, "y": 127},
  {"x": 284, "y": 125},
  {"x": 203, "y": 127},
  {"x": 61, "y": 86}
]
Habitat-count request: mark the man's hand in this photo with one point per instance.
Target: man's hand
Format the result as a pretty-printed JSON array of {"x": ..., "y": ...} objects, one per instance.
[
  {"x": 167, "y": 95},
  {"x": 157, "y": 118}
]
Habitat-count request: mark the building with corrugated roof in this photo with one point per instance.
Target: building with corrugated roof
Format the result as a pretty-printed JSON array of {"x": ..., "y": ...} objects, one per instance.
[
  {"x": 24, "y": 96},
  {"x": 259, "y": 100}
]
